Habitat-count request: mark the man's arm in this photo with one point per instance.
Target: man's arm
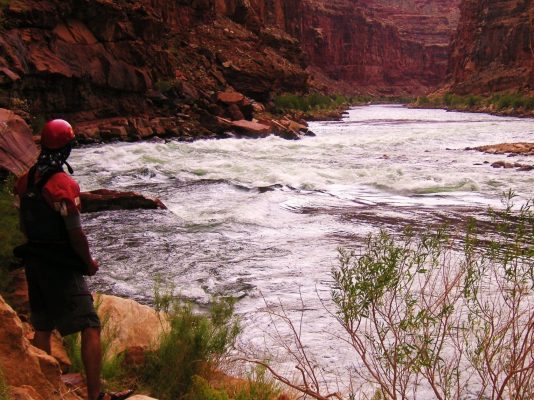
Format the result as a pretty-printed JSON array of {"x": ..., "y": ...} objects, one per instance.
[{"x": 79, "y": 242}]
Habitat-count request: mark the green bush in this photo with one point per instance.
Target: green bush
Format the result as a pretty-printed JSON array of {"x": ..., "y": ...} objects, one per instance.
[
  {"x": 201, "y": 390},
  {"x": 113, "y": 370},
  {"x": 447, "y": 309},
  {"x": 473, "y": 101},
  {"x": 165, "y": 86},
  {"x": 259, "y": 386},
  {"x": 193, "y": 343},
  {"x": 10, "y": 234},
  {"x": 4, "y": 388},
  {"x": 311, "y": 102}
]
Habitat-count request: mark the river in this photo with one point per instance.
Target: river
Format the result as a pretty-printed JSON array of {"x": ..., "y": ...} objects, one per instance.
[{"x": 262, "y": 219}]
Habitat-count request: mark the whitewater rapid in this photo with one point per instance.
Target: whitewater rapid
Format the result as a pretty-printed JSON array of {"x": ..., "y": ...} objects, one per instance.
[{"x": 261, "y": 220}]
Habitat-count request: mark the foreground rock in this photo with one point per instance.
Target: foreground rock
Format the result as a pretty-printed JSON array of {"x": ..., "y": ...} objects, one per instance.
[
  {"x": 30, "y": 373},
  {"x": 129, "y": 326},
  {"x": 526, "y": 149},
  {"x": 106, "y": 200},
  {"x": 18, "y": 152}
]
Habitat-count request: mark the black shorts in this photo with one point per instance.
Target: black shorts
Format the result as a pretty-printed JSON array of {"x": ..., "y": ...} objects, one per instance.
[{"x": 59, "y": 298}]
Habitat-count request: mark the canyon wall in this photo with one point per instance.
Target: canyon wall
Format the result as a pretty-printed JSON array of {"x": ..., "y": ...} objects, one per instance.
[
  {"x": 377, "y": 46},
  {"x": 88, "y": 60},
  {"x": 493, "y": 50},
  {"x": 91, "y": 59},
  {"x": 357, "y": 46}
]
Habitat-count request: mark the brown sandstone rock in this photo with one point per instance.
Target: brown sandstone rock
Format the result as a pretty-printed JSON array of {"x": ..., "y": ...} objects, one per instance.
[
  {"x": 251, "y": 129},
  {"x": 230, "y": 97},
  {"x": 377, "y": 45},
  {"x": 508, "y": 148},
  {"x": 492, "y": 49},
  {"x": 25, "y": 365},
  {"x": 17, "y": 149},
  {"x": 105, "y": 199},
  {"x": 130, "y": 324},
  {"x": 235, "y": 113}
]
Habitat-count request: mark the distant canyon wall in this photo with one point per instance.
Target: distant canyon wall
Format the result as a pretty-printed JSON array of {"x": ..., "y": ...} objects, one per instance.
[
  {"x": 379, "y": 46},
  {"x": 493, "y": 50},
  {"x": 101, "y": 58}
]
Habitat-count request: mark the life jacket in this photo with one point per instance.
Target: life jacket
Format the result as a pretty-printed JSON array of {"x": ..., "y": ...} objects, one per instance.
[{"x": 41, "y": 222}]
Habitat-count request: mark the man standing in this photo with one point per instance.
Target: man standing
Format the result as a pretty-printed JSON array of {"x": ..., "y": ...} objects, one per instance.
[{"x": 57, "y": 254}]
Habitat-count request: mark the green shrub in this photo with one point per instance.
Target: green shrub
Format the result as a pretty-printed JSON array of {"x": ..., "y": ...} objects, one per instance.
[
  {"x": 423, "y": 101},
  {"x": 311, "y": 102},
  {"x": 473, "y": 101},
  {"x": 259, "y": 386},
  {"x": 201, "y": 390},
  {"x": 10, "y": 234},
  {"x": 421, "y": 307},
  {"x": 4, "y": 388},
  {"x": 113, "y": 370},
  {"x": 164, "y": 86},
  {"x": 193, "y": 343}
]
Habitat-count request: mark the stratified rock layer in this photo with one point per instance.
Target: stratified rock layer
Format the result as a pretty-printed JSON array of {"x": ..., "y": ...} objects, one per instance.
[
  {"x": 160, "y": 62},
  {"x": 378, "y": 46},
  {"x": 157, "y": 65},
  {"x": 493, "y": 50}
]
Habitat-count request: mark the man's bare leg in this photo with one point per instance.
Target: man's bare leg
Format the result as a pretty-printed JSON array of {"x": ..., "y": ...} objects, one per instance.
[
  {"x": 41, "y": 340},
  {"x": 92, "y": 360}
]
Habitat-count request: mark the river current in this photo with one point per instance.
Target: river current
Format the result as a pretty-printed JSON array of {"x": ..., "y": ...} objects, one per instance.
[{"x": 262, "y": 219}]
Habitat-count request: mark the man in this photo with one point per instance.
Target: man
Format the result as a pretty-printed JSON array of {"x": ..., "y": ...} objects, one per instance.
[{"x": 57, "y": 254}]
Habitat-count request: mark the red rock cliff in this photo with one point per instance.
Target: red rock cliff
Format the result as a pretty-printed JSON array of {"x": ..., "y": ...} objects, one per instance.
[
  {"x": 493, "y": 50},
  {"x": 93, "y": 59},
  {"x": 98, "y": 59},
  {"x": 392, "y": 47}
]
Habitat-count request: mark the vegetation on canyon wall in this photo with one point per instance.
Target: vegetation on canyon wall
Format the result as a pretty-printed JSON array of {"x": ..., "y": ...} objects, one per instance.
[
  {"x": 4, "y": 390},
  {"x": 502, "y": 103},
  {"x": 10, "y": 235}
]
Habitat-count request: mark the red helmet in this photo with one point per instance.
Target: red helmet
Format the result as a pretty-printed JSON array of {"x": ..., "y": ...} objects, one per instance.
[{"x": 56, "y": 134}]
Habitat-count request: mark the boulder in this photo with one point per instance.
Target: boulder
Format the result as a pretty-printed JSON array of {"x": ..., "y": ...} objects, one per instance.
[
  {"x": 24, "y": 365},
  {"x": 522, "y": 148},
  {"x": 251, "y": 128},
  {"x": 230, "y": 97},
  {"x": 105, "y": 200},
  {"x": 235, "y": 113},
  {"x": 18, "y": 151},
  {"x": 129, "y": 325}
]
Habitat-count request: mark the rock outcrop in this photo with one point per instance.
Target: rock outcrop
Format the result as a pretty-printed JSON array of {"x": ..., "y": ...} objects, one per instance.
[
  {"x": 33, "y": 375},
  {"x": 131, "y": 70},
  {"x": 128, "y": 324},
  {"x": 105, "y": 200},
  {"x": 27, "y": 370},
  {"x": 136, "y": 69},
  {"x": 520, "y": 148},
  {"x": 493, "y": 50},
  {"x": 18, "y": 151},
  {"x": 376, "y": 46}
]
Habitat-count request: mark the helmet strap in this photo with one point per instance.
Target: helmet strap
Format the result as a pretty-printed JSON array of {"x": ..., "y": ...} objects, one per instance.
[{"x": 71, "y": 171}]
